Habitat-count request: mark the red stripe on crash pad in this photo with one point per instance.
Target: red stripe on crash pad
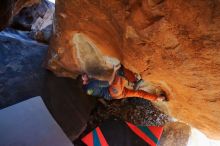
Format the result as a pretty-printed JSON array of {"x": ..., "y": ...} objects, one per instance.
[
  {"x": 101, "y": 137},
  {"x": 88, "y": 139},
  {"x": 156, "y": 130},
  {"x": 141, "y": 134}
]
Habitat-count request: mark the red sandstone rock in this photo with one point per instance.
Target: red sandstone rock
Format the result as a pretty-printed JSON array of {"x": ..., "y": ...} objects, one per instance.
[{"x": 174, "y": 43}]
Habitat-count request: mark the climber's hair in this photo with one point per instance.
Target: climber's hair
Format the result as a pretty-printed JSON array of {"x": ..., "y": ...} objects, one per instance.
[{"x": 79, "y": 78}]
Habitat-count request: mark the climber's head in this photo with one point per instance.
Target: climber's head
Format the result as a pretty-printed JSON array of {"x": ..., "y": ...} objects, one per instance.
[{"x": 85, "y": 78}]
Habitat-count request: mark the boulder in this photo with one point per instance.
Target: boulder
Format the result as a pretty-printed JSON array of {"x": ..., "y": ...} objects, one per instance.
[
  {"x": 35, "y": 17},
  {"x": 173, "y": 43},
  {"x": 21, "y": 72},
  {"x": 38, "y": 19},
  {"x": 175, "y": 134},
  {"x": 9, "y": 8},
  {"x": 43, "y": 35}
]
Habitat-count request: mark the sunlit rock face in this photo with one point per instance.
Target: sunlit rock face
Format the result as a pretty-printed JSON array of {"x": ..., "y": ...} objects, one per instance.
[
  {"x": 174, "y": 43},
  {"x": 9, "y": 8},
  {"x": 175, "y": 134}
]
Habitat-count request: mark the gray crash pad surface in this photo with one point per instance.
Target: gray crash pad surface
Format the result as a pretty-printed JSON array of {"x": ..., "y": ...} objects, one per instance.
[{"x": 30, "y": 124}]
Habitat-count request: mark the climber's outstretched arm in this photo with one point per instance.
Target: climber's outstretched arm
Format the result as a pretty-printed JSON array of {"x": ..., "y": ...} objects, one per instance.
[{"x": 114, "y": 73}]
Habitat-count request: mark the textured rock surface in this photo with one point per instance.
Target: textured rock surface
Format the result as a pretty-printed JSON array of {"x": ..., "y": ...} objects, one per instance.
[
  {"x": 21, "y": 61},
  {"x": 9, "y": 8},
  {"x": 174, "y": 43},
  {"x": 35, "y": 17},
  {"x": 38, "y": 19},
  {"x": 175, "y": 134}
]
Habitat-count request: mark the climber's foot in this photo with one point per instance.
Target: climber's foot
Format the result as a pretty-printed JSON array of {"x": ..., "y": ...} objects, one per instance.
[{"x": 164, "y": 95}]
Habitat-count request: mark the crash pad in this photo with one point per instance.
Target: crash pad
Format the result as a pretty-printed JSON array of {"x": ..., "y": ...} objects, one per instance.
[
  {"x": 30, "y": 124},
  {"x": 114, "y": 132}
]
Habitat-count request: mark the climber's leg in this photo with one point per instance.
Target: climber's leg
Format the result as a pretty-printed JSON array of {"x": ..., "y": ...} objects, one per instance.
[{"x": 139, "y": 93}]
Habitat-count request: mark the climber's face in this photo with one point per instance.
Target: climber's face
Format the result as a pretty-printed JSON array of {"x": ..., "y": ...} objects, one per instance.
[{"x": 85, "y": 79}]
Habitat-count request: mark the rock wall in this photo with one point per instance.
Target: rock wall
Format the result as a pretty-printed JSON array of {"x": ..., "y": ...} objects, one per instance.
[
  {"x": 35, "y": 17},
  {"x": 175, "y": 134},
  {"x": 21, "y": 72},
  {"x": 173, "y": 43},
  {"x": 9, "y": 8},
  {"x": 38, "y": 19}
]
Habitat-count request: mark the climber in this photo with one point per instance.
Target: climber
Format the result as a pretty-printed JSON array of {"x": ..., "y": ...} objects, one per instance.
[{"x": 115, "y": 88}]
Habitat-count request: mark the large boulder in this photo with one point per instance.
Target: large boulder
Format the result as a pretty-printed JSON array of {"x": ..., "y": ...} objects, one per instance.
[
  {"x": 38, "y": 19},
  {"x": 174, "y": 43},
  {"x": 10, "y": 8},
  {"x": 21, "y": 72},
  {"x": 35, "y": 17},
  {"x": 175, "y": 134}
]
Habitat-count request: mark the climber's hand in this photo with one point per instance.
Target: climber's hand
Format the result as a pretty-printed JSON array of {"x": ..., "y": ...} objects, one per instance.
[
  {"x": 161, "y": 98},
  {"x": 116, "y": 67}
]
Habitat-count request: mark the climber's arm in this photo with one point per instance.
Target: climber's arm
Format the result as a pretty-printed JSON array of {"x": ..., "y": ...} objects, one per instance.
[{"x": 114, "y": 73}]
